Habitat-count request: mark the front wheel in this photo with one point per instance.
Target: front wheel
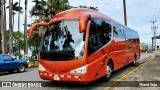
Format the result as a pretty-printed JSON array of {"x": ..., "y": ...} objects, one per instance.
[
  {"x": 21, "y": 68},
  {"x": 109, "y": 70}
]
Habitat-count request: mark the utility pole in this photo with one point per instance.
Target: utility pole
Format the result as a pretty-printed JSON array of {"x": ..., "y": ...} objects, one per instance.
[
  {"x": 154, "y": 29},
  {"x": 125, "y": 15}
]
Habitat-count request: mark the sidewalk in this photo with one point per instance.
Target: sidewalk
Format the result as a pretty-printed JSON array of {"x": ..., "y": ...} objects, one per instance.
[{"x": 147, "y": 77}]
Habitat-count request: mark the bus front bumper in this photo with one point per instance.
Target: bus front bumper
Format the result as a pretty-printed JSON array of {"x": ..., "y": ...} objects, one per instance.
[{"x": 70, "y": 78}]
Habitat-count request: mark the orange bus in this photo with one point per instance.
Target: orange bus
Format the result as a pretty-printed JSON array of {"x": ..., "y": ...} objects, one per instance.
[{"x": 82, "y": 45}]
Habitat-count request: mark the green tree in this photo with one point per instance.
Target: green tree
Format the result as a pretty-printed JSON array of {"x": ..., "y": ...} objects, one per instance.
[
  {"x": 45, "y": 10},
  {"x": 16, "y": 39},
  {"x": 38, "y": 9},
  {"x": 34, "y": 42},
  {"x": 56, "y": 6}
]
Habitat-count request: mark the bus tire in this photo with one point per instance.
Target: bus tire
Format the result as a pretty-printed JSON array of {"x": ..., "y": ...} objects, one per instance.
[
  {"x": 134, "y": 63},
  {"x": 109, "y": 70}
]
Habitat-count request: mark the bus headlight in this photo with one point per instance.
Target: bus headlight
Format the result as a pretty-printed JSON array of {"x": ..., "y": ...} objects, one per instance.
[
  {"x": 81, "y": 70},
  {"x": 41, "y": 68}
]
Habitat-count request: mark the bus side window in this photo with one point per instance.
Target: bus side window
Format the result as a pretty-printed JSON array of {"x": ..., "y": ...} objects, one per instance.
[
  {"x": 100, "y": 35},
  {"x": 92, "y": 41},
  {"x": 118, "y": 31}
]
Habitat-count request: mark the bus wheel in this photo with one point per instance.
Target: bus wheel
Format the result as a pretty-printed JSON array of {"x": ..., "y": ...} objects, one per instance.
[
  {"x": 109, "y": 70},
  {"x": 135, "y": 61}
]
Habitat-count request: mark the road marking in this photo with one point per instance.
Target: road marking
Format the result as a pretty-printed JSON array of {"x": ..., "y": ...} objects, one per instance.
[{"x": 128, "y": 74}]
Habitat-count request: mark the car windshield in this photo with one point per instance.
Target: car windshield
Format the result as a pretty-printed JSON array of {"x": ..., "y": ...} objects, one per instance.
[{"x": 62, "y": 41}]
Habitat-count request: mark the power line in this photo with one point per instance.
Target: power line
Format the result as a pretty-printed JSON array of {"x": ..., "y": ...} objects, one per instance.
[{"x": 155, "y": 10}]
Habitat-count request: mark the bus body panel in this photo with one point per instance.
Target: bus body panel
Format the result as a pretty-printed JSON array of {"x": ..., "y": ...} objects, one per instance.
[
  {"x": 95, "y": 70},
  {"x": 61, "y": 66},
  {"x": 121, "y": 51}
]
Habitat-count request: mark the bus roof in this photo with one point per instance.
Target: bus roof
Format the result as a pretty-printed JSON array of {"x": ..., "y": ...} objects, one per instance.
[{"x": 75, "y": 13}]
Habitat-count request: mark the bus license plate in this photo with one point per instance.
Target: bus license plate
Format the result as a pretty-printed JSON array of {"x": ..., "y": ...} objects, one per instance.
[{"x": 56, "y": 77}]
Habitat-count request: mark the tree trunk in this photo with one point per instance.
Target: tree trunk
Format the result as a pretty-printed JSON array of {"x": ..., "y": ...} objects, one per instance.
[
  {"x": 18, "y": 30},
  {"x": 25, "y": 30},
  {"x": 4, "y": 33},
  {"x": 13, "y": 19},
  {"x": 2, "y": 27},
  {"x": 10, "y": 27}
]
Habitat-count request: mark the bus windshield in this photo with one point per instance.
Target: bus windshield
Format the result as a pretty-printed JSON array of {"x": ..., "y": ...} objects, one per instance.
[{"x": 62, "y": 41}]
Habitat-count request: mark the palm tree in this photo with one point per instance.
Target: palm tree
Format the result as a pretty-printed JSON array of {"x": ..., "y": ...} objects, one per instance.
[
  {"x": 43, "y": 10},
  {"x": 56, "y": 6},
  {"x": 25, "y": 30},
  {"x": 10, "y": 27},
  {"x": 19, "y": 29},
  {"x": 16, "y": 8},
  {"x": 4, "y": 33},
  {"x": 1, "y": 27},
  {"x": 48, "y": 8},
  {"x": 38, "y": 9}
]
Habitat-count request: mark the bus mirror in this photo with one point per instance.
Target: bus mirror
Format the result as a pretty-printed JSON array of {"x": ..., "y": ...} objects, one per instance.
[
  {"x": 82, "y": 23},
  {"x": 33, "y": 27}
]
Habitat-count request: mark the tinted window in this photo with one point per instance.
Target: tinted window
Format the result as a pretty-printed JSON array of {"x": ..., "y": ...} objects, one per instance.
[
  {"x": 121, "y": 31},
  {"x": 100, "y": 34},
  {"x": 118, "y": 31},
  {"x": 130, "y": 34},
  {"x": 6, "y": 57}
]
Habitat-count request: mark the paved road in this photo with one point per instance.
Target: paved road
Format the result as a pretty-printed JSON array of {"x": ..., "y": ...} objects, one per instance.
[{"x": 32, "y": 75}]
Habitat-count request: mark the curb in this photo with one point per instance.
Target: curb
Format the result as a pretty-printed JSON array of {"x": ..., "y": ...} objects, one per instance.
[{"x": 129, "y": 73}]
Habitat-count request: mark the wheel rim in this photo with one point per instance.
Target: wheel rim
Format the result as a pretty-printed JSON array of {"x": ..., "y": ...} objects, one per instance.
[
  {"x": 21, "y": 68},
  {"x": 108, "y": 70},
  {"x": 134, "y": 61}
]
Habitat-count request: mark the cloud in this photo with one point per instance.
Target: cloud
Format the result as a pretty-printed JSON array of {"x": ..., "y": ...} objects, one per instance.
[{"x": 139, "y": 13}]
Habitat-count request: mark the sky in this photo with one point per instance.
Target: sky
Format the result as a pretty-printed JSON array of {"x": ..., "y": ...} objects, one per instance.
[{"x": 139, "y": 14}]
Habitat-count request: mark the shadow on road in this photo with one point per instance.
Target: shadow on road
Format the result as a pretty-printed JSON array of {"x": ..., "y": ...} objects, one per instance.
[{"x": 4, "y": 73}]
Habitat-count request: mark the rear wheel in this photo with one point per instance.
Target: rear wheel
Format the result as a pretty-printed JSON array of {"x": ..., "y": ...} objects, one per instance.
[
  {"x": 135, "y": 61},
  {"x": 21, "y": 68},
  {"x": 109, "y": 70}
]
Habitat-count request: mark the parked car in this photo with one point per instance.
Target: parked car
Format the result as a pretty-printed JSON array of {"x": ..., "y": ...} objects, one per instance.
[{"x": 10, "y": 64}]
